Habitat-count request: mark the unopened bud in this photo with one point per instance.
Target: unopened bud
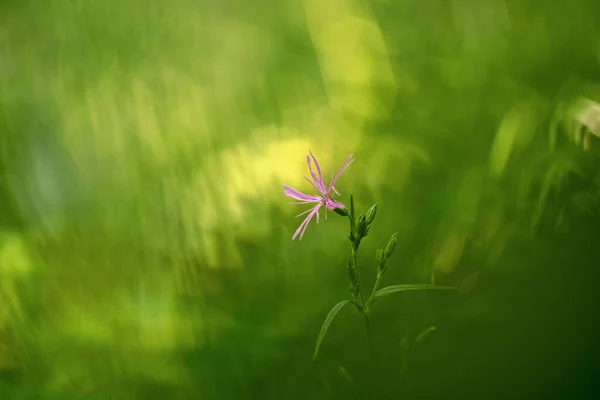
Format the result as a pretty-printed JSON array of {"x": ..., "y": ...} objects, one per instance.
[
  {"x": 391, "y": 246},
  {"x": 353, "y": 279},
  {"x": 380, "y": 261},
  {"x": 361, "y": 227},
  {"x": 371, "y": 214},
  {"x": 379, "y": 255}
]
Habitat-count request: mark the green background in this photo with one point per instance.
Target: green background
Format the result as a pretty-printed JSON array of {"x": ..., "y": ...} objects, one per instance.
[{"x": 145, "y": 241}]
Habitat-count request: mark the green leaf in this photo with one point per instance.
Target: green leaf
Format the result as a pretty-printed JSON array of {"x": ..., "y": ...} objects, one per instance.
[
  {"x": 423, "y": 335},
  {"x": 346, "y": 374},
  {"x": 386, "y": 291},
  {"x": 328, "y": 320}
]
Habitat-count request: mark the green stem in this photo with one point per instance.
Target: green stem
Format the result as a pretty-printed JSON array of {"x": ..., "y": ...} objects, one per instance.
[
  {"x": 375, "y": 288},
  {"x": 355, "y": 266},
  {"x": 368, "y": 336},
  {"x": 364, "y": 304}
]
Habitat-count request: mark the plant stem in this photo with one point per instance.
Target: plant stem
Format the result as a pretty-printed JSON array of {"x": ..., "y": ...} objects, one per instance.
[
  {"x": 351, "y": 237},
  {"x": 355, "y": 266},
  {"x": 368, "y": 336},
  {"x": 364, "y": 309},
  {"x": 375, "y": 287}
]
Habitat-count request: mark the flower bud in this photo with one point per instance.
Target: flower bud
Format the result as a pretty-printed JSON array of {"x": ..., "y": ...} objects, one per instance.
[
  {"x": 353, "y": 279},
  {"x": 361, "y": 227},
  {"x": 371, "y": 214},
  {"x": 380, "y": 261},
  {"x": 391, "y": 246},
  {"x": 379, "y": 255}
]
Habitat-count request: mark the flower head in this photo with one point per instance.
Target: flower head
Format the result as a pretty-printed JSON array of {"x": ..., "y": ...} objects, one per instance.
[{"x": 324, "y": 196}]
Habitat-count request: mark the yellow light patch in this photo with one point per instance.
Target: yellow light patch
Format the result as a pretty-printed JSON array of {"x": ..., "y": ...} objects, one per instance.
[
  {"x": 352, "y": 55},
  {"x": 14, "y": 257}
]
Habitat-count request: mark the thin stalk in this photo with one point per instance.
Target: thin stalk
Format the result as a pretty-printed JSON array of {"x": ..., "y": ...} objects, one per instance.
[
  {"x": 375, "y": 288},
  {"x": 351, "y": 237},
  {"x": 364, "y": 306},
  {"x": 355, "y": 266},
  {"x": 368, "y": 336}
]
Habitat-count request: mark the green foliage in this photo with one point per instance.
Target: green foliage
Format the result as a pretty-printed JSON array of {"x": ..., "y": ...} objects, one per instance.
[
  {"x": 328, "y": 320},
  {"x": 407, "y": 349},
  {"x": 142, "y": 144},
  {"x": 358, "y": 231},
  {"x": 346, "y": 375},
  {"x": 388, "y": 290},
  {"x": 423, "y": 335}
]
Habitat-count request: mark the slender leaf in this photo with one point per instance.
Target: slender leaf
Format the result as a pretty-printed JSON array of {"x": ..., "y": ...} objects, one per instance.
[
  {"x": 328, "y": 320},
  {"x": 386, "y": 291},
  {"x": 346, "y": 374},
  {"x": 423, "y": 335}
]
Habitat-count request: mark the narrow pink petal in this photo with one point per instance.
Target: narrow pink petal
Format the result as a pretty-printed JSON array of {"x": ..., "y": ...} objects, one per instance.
[
  {"x": 303, "y": 225},
  {"x": 312, "y": 183},
  {"x": 348, "y": 161},
  {"x": 296, "y": 195},
  {"x": 315, "y": 212},
  {"x": 330, "y": 204},
  {"x": 302, "y": 228},
  {"x": 305, "y": 212},
  {"x": 320, "y": 182}
]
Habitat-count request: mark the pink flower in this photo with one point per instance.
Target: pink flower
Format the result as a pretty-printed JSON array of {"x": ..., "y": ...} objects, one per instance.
[{"x": 324, "y": 198}]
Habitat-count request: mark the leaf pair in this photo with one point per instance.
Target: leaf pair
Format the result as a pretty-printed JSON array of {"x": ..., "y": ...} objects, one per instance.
[
  {"x": 407, "y": 349},
  {"x": 386, "y": 291}
]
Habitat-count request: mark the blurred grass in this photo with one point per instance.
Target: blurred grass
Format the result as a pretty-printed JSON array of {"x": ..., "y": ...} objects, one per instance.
[{"x": 146, "y": 247}]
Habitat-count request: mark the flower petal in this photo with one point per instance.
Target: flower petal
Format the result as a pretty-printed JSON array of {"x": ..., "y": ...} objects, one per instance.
[
  {"x": 302, "y": 228},
  {"x": 304, "y": 212},
  {"x": 348, "y": 161},
  {"x": 312, "y": 173},
  {"x": 296, "y": 195},
  {"x": 312, "y": 183},
  {"x": 330, "y": 204},
  {"x": 303, "y": 225},
  {"x": 319, "y": 180}
]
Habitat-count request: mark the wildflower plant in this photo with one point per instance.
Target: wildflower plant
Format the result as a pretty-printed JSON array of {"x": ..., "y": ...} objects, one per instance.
[
  {"x": 324, "y": 198},
  {"x": 359, "y": 229}
]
